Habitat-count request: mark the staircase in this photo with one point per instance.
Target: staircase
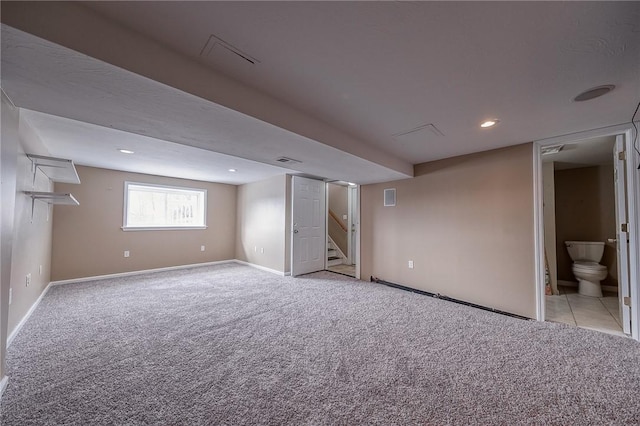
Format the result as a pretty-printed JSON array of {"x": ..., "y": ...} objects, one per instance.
[{"x": 334, "y": 255}]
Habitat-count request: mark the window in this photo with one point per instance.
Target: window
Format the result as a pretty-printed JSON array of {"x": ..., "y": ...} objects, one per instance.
[{"x": 148, "y": 206}]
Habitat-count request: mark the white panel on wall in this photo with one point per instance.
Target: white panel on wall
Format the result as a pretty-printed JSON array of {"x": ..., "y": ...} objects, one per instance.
[{"x": 389, "y": 197}]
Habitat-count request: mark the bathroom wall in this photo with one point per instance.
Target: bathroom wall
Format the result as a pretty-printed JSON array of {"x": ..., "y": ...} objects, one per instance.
[{"x": 585, "y": 211}]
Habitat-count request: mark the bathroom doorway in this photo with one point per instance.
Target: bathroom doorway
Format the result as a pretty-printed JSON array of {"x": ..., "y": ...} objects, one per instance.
[{"x": 579, "y": 198}]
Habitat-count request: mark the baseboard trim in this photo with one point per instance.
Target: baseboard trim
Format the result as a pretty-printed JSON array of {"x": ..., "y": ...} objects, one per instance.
[
  {"x": 262, "y": 268},
  {"x": 447, "y": 298},
  {"x": 3, "y": 385},
  {"x": 141, "y": 272},
  {"x": 24, "y": 319}
]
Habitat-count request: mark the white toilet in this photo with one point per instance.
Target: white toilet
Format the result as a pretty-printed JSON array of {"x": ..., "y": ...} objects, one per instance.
[{"x": 585, "y": 256}]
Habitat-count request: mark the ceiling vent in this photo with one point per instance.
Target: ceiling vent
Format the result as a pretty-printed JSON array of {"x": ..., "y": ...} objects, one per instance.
[
  {"x": 553, "y": 149},
  {"x": 287, "y": 160},
  {"x": 417, "y": 134},
  {"x": 215, "y": 44}
]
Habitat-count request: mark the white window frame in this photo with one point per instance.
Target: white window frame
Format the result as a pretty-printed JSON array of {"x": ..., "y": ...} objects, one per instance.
[{"x": 160, "y": 228}]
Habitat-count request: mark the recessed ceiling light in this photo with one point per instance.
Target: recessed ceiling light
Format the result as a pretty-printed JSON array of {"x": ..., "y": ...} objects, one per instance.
[
  {"x": 489, "y": 123},
  {"x": 233, "y": 170},
  {"x": 596, "y": 92},
  {"x": 351, "y": 184},
  {"x": 125, "y": 151}
]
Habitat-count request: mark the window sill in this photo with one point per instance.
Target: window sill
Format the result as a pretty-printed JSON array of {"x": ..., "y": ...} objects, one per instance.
[{"x": 161, "y": 228}]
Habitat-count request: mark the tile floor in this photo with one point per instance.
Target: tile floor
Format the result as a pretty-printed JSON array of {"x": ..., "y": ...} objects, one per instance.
[
  {"x": 600, "y": 314},
  {"x": 344, "y": 269}
]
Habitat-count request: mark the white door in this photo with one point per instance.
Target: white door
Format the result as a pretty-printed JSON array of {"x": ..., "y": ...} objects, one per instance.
[
  {"x": 622, "y": 236},
  {"x": 308, "y": 215}
]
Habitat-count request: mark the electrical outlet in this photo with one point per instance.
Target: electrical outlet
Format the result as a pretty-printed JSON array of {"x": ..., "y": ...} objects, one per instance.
[
  {"x": 201, "y": 248},
  {"x": 126, "y": 253},
  {"x": 10, "y": 294},
  {"x": 411, "y": 264},
  {"x": 28, "y": 280}
]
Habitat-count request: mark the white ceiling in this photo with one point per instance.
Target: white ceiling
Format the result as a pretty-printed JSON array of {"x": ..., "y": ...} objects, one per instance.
[
  {"x": 376, "y": 69},
  {"x": 370, "y": 69}
]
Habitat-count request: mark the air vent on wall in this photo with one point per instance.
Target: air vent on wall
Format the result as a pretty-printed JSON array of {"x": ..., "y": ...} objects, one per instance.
[
  {"x": 389, "y": 197},
  {"x": 217, "y": 42},
  {"x": 287, "y": 160},
  {"x": 553, "y": 149}
]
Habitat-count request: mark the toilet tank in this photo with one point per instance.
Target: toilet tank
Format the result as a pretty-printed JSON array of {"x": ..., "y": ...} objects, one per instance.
[{"x": 585, "y": 250}]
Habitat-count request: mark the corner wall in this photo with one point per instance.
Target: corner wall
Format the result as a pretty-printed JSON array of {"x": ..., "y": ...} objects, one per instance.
[
  {"x": 466, "y": 222},
  {"x": 88, "y": 239},
  {"x": 262, "y": 223}
]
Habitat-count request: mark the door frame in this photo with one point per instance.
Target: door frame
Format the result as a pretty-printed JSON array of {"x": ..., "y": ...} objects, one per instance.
[
  {"x": 351, "y": 202},
  {"x": 351, "y": 217},
  {"x": 633, "y": 188},
  {"x": 355, "y": 250}
]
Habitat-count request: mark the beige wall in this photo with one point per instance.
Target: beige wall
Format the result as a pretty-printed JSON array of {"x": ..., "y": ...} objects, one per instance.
[
  {"x": 466, "y": 222},
  {"x": 262, "y": 223},
  {"x": 88, "y": 239},
  {"x": 585, "y": 211},
  {"x": 339, "y": 204}
]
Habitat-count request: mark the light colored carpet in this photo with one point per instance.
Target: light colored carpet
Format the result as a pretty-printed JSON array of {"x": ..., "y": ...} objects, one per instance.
[{"x": 233, "y": 345}]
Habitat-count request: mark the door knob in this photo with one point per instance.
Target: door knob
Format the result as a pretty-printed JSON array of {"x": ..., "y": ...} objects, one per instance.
[
  {"x": 612, "y": 240},
  {"x": 295, "y": 231}
]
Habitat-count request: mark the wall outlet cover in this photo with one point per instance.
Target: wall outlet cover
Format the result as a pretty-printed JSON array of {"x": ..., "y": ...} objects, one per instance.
[{"x": 126, "y": 253}]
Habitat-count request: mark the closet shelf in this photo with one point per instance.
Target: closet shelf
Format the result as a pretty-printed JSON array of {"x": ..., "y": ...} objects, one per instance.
[
  {"x": 53, "y": 197},
  {"x": 56, "y": 169}
]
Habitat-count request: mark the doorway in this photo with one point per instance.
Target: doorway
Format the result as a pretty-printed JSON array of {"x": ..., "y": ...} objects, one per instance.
[
  {"x": 580, "y": 195},
  {"x": 342, "y": 228}
]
